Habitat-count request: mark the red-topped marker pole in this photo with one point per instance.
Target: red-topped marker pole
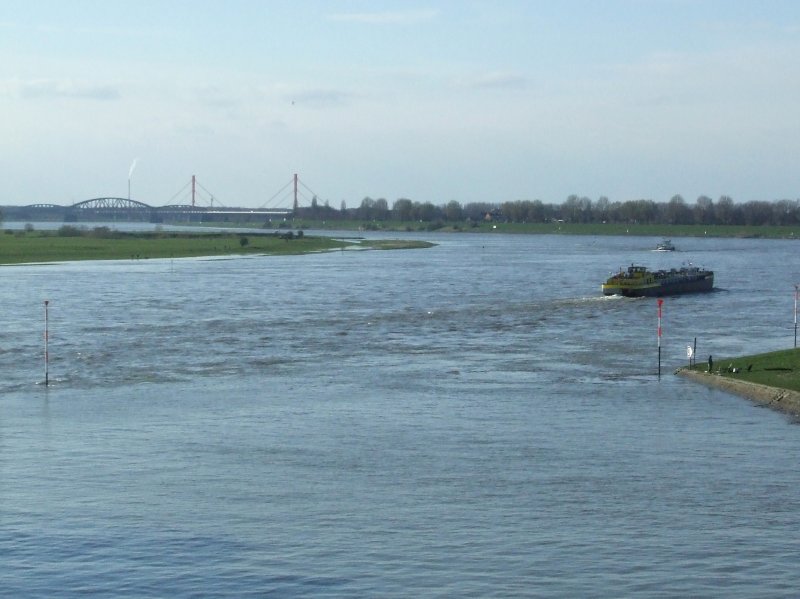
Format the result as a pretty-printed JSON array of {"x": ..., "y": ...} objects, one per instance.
[
  {"x": 46, "y": 335},
  {"x": 795, "y": 314},
  {"x": 660, "y": 301}
]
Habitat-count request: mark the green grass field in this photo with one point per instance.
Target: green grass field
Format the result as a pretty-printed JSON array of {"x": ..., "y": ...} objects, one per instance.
[
  {"x": 18, "y": 247},
  {"x": 774, "y": 369},
  {"x": 670, "y": 231},
  {"x": 553, "y": 228}
]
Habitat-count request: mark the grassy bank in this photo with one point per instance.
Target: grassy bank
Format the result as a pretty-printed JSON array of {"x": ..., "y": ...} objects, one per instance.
[
  {"x": 553, "y": 228},
  {"x": 779, "y": 369},
  {"x": 18, "y": 247},
  {"x": 669, "y": 231}
]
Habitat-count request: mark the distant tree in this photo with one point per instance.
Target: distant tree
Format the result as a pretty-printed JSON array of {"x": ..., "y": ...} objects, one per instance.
[
  {"x": 578, "y": 209},
  {"x": 585, "y": 210},
  {"x": 103, "y": 232},
  {"x": 704, "y": 211},
  {"x": 243, "y": 241},
  {"x": 785, "y": 212},
  {"x": 601, "y": 209},
  {"x": 677, "y": 212},
  {"x": 428, "y": 212},
  {"x": 725, "y": 211},
  {"x": 570, "y": 209},
  {"x": 69, "y": 231},
  {"x": 476, "y": 211},
  {"x": 756, "y": 213},
  {"x": 638, "y": 211},
  {"x": 366, "y": 209},
  {"x": 380, "y": 209},
  {"x": 402, "y": 209},
  {"x": 540, "y": 212},
  {"x": 513, "y": 211},
  {"x": 453, "y": 211}
]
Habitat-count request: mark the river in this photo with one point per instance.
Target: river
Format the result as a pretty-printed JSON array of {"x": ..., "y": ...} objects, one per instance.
[{"x": 470, "y": 420}]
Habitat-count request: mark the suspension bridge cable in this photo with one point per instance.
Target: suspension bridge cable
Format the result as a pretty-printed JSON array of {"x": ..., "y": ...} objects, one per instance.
[
  {"x": 172, "y": 199},
  {"x": 281, "y": 190},
  {"x": 211, "y": 195},
  {"x": 313, "y": 193}
]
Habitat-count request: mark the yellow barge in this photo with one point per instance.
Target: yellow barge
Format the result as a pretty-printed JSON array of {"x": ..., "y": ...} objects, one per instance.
[{"x": 638, "y": 281}]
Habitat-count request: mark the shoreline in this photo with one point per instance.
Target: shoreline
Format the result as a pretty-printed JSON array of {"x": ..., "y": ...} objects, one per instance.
[{"x": 775, "y": 398}]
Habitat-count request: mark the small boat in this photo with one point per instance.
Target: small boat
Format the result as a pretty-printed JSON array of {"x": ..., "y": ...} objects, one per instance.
[
  {"x": 665, "y": 246},
  {"x": 638, "y": 281}
]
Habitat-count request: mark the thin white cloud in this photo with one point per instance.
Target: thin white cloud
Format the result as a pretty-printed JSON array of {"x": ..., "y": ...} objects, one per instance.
[
  {"x": 67, "y": 88},
  {"x": 319, "y": 98},
  {"x": 389, "y": 17},
  {"x": 496, "y": 80},
  {"x": 216, "y": 97}
]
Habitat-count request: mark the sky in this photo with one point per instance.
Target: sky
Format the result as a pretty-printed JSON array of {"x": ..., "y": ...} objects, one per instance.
[{"x": 465, "y": 100}]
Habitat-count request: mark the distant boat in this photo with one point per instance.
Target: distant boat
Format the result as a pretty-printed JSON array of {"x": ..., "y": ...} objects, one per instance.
[
  {"x": 665, "y": 246},
  {"x": 638, "y": 281}
]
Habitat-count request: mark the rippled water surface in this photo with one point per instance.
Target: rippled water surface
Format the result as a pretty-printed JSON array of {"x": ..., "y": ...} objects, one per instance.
[{"x": 473, "y": 419}]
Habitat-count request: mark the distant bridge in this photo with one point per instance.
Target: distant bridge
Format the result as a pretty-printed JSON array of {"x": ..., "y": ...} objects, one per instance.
[{"x": 111, "y": 209}]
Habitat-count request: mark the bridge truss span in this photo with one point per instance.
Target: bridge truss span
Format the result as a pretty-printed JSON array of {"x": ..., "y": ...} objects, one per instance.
[
  {"x": 111, "y": 204},
  {"x": 111, "y": 209}
]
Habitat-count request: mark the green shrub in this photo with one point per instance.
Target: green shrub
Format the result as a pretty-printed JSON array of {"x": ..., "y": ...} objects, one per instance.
[
  {"x": 102, "y": 232},
  {"x": 69, "y": 231}
]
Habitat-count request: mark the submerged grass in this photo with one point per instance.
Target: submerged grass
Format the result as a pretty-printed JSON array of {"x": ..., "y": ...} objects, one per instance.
[
  {"x": 779, "y": 369},
  {"x": 394, "y": 244},
  {"x": 49, "y": 246}
]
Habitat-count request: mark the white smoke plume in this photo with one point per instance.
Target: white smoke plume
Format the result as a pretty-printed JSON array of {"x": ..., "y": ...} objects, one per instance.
[{"x": 133, "y": 166}]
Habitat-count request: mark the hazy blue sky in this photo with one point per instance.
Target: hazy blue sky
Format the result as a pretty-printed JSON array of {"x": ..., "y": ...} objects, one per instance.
[{"x": 432, "y": 100}]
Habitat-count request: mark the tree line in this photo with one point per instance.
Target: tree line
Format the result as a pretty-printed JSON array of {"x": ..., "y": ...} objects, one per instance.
[{"x": 575, "y": 209}]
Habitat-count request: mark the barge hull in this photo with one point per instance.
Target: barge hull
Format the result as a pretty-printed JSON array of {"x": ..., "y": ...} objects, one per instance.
[{"x": 674, "y": 289}]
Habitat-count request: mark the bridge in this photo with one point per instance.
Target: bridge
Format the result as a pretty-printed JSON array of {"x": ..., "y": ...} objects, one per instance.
[
  {"x": 112, "y": 209},
  {"x": 124, "y": 209}
]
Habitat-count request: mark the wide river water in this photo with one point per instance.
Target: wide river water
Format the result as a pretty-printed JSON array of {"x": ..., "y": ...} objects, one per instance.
[{"x": 470, "y": 420}]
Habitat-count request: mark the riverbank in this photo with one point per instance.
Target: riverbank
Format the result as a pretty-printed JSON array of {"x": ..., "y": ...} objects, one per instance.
[
  {"x": 535, "y": 228},
  {"x": 776, "y": 398},
  {"x": 71, "y": 243}
]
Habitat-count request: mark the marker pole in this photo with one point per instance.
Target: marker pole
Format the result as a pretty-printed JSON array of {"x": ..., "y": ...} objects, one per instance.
[
  {"x": 795, "y": 314},
  {"x": 46, "y": 336},
  {"x": 660, "y": 301}
]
